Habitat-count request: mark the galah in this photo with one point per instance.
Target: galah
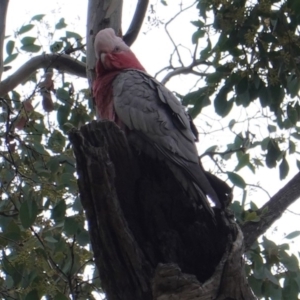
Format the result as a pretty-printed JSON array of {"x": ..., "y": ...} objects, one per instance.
[{"x": 153, "y": 118}]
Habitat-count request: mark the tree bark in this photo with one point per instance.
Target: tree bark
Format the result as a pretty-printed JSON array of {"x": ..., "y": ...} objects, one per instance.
[
  {"x": 3, "y": 12},
  {"x": 101, "y": 14},
  {"x": 272, "y": 211},
  {"x": 150, "y": 240}
]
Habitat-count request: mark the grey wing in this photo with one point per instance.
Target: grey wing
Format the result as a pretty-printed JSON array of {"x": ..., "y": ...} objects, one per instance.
[
  {"x": 148, "y": 108},
  {"x": 145, "y": 105}
]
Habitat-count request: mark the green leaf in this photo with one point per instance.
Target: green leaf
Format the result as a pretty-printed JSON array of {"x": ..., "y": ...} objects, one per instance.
[
  {"x": 10, "y": 47},
  {"x": 28, "y": 213},
  {"x": 53, "y": 164},
  {"x": 256, "y": 285},
  {"x": 222, "y": 106},
  {"x": 62, "y": 94},
  {"x": 10, "y": 58},
  {"x": 13, "y": 231},
  {"x": 61, "y": 24},
  {"x": 199, "y": 99},
  {"x": 71, "y": 225},
  {"x": 283, "y": 169},
  {"x": 31, "y": 48},
  {"x": 63, "y": 114},
  {"x": 271, "y": 277},
  {"x": 56, "y": 47},
  {"x": 290, "y": 290},
  {"x": 264, "y": 96},
  {"x": 273, "y": 153},
  {"x": 198, "y": 35},
  {"x": 296, "y": 135},
  {"x": 298, "y": 164},
  {"x": 268, "y": 37},
  {"x": 60, "y": 296},
  {"x": 290, "y": 262},
  {"x": 37, "y": 17},
  {"x": 215, "y": 77},
  {"x": 28, "y": 40},
  {"x": 292, "y": 235},
  {"x": 32, "y": 295},
  {"x": 242, "y": 86},
  {"x": 56, "y": 141},
  {"x": 50, "y": 239},
  {"x": 293, "y": 85},
  {"x": 25, "y": 28},
  {"x": 71, "y": 34},
  {"x": 236, "y": 179},
  {"x": 198, "y": 23},
  {"x": 83, "y": 238},
  {"x": 272, "y": 128},
  {"x": 251, "y": 217},
  {"x": 59, "y": 211},
  {"x": 206, "y": 52},
  {"x": 243, "y": 160},
  {"x": 292, "y": 147}
]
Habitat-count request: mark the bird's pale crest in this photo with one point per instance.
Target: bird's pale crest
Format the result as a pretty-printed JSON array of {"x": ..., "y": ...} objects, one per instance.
[{"x": 106, "y": 41}]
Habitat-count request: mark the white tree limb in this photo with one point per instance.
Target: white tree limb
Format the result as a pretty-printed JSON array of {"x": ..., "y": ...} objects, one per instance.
[{"x": 3, "y": 11}]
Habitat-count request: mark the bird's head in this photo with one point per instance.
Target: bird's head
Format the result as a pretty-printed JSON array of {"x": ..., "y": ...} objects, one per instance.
[{"x": 113, "y": 54}]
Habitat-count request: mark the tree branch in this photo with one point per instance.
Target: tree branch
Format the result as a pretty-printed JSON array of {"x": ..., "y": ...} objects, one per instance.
[
  {"x": 3, "y": 12},
  {"x": 186, "y": 70},
  {"x": 61, "y": 62},
  {"x": 272, "y": 211},
  {"x": 136, "y": 22}
]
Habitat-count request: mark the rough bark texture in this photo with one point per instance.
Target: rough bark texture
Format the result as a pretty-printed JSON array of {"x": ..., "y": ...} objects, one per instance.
[
  {"x": 272, "y": 211},
  {"x": 150, "y": 240}
]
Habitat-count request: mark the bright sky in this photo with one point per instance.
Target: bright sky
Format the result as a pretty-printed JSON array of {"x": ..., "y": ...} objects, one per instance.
[{"x": 153, "y": 50}]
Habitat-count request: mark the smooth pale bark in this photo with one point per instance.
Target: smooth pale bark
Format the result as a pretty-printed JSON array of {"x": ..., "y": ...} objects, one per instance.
[
  {"x": 3, "y": 12},
  {"x": 60, "y": 62},
  {"x": 101, "y": 14}
]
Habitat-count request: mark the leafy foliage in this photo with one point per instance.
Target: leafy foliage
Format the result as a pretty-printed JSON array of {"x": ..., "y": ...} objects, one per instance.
[
  {"x": 43, "y": 236},
  {"x": 252, "y": 61},
  {"x": 253, "y": 51}
]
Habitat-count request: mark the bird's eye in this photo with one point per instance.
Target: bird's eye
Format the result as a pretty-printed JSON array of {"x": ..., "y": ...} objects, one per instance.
[{"x": 116, "y": 49}]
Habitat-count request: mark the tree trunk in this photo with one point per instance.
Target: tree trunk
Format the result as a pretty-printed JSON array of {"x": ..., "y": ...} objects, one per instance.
[
  {"x": 150, "y": 240},
  {"x": 101, "y": 14}
]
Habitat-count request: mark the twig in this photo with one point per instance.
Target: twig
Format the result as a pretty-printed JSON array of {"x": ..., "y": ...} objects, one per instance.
[
  {"x": 51, "y": 262},
  {"x": 212, "y": 153},
  {"x": 259, "y": 187},
  {"x": 169, "y": 35}
]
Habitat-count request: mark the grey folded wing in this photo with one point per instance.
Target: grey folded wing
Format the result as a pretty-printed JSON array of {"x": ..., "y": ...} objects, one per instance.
[{"x": 150, "y": 110}]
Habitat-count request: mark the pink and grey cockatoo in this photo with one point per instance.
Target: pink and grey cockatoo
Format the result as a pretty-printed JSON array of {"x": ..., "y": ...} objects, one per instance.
[{"x": 152, "y": 117}]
